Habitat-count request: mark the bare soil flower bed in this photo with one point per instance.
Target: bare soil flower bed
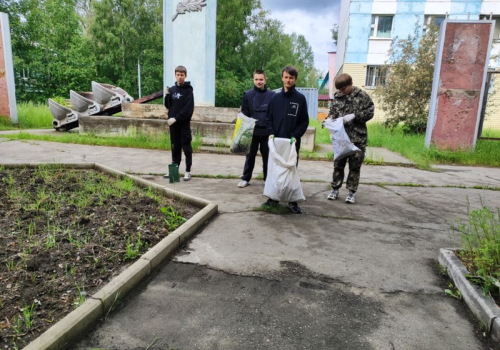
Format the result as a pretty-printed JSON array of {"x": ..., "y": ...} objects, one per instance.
[{"x": 63, "y": 235}]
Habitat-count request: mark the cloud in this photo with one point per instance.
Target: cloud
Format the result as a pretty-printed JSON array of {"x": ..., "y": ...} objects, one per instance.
[{"x": 312, "y": 19}]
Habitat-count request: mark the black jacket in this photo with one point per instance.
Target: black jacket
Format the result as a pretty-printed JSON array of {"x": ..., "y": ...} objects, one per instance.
[
  {"x": 254, "y": 105},
  {"x": 287, "y": 115},
  {"x": 180, "y": 103}
]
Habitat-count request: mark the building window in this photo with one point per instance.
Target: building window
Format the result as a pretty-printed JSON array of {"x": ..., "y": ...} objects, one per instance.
[
  {"x": 436, "y": 20},
  {"x": 375, "y": 75},
  {"x": 381, "y": 26}
]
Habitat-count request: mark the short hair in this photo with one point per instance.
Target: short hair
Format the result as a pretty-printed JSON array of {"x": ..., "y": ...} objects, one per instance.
[
  {"x": 290, "y": 70},
  {"x": 343, "y": 80},
  {"x": 181, "y": 69},
  {"x": 259, "y": 71}
]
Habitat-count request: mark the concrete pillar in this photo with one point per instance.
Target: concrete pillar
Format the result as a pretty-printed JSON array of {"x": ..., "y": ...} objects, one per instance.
[
  {"x": 459, "y": 81},
  {"x": 189, "y": 33},
  {"x": 7, "y": 87}
]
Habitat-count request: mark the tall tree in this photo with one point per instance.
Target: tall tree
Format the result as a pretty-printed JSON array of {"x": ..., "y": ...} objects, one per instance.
[
  {"x": 407, "y": 91},
  {"x": 50, "y": 54},
  {"x": 126, "y": 33}
]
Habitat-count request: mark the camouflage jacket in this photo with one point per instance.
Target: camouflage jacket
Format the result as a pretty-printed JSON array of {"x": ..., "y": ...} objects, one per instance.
[{"x": 361, "y": 105}]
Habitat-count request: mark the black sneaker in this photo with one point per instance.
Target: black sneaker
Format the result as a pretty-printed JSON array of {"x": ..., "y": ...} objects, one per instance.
[
  {"x": 166, "y": 176},
  {"x": 294, "y": 207}
]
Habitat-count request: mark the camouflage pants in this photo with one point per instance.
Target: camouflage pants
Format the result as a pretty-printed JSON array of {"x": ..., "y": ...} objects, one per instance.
[{"x": 355, "y": 162}]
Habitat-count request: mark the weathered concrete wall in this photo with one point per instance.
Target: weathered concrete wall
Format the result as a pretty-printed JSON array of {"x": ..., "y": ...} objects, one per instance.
[
  {"x": 212, "y": 133},
  {"x": 8, "y": 105},
  {"x": 454, "y": 118},
  {"x": 202, "y": 114}
]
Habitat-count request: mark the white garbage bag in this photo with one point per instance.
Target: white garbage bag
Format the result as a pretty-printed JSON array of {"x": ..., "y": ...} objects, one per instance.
[
  {"x": 342, "y": 145},
  {"x": 283, "y": 181},
  {"x": 243, "y": 134}
]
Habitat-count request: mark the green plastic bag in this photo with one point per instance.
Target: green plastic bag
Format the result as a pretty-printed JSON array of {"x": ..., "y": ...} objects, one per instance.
[
  {"x": 173, "y": 173},
  {"x": 243, "y": 135}
]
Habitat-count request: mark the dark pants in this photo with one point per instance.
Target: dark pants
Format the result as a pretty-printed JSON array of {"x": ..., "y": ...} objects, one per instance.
[
  {"x": 180, "y": 139},
  {"x": 355, "y": 162},
  {"x": 257, "y": 142}
]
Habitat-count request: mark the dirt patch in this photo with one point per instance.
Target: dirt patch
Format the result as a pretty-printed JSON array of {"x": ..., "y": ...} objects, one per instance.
[{"x": 63, "y": 235}]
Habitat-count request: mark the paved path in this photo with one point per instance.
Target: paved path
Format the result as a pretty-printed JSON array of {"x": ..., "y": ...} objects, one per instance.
[{"x": 338, "y": 276}]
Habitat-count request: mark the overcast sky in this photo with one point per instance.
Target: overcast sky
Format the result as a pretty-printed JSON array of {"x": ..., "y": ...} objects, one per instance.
[{"x": 313, "y": 19}]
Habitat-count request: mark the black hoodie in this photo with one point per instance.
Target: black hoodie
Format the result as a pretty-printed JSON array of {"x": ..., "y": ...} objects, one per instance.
[
  {"x": 180, "y": 103},
  {"x": 287, "y": 115},
  {"x": 254, "y": 105}
]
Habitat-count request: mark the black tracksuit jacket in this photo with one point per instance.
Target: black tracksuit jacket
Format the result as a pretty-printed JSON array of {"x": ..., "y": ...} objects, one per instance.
[
  {"x": 254, "y": 105},
  {"x": 287, "y": 115}
]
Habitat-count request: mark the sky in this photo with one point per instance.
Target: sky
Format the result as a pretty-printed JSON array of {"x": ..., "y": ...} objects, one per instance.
[{"x": 312, "y": 18}]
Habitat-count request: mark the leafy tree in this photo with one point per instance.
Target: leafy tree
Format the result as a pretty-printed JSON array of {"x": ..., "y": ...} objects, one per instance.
[
  {"x": 406, "y": 94},
  {"x": 123, "y": 33},
  {"x": 335, "y": 33},
  {"x": 263, "y": 44},
  {"x": 50, "y": 54}
]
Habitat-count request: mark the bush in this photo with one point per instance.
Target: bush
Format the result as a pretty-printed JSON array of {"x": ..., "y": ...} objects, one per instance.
[{"x": 480, "y": 239}]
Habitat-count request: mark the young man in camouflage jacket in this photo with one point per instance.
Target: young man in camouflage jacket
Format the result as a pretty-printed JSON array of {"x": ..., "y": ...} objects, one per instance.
[{"x": 356, "y": 107}]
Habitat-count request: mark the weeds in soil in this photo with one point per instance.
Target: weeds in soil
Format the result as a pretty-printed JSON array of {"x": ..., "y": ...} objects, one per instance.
[
  {"x": 172, "y": 218},
  {"x": 480, "y": 240},
  {"x": 80, "y": 298},
  {"x": 453, "y": 292},
  {"x": 28, "y": 312},
  {"x": 133, "y": 250},
  {"x": 63, "y": 227}
]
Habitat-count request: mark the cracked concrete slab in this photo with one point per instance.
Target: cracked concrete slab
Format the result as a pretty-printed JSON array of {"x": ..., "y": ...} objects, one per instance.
[{"x": 338, "y": 276}]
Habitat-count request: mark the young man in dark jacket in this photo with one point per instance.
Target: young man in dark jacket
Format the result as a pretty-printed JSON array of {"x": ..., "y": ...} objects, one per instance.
[
  {"x": 179, "y": 101},
  {"x": 287, "y": 117},
  {"x": 254, "y": 105},
  {"x": 356, "y": 108}
]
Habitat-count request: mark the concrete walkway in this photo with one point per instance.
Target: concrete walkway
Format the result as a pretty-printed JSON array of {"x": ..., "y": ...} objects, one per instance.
[{"x": 338, "y": 276}]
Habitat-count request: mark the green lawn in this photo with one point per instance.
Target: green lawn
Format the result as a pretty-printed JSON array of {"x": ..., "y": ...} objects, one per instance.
[
  {"x": 413, "y": 147},
  {"x": 30, "y": 116}
]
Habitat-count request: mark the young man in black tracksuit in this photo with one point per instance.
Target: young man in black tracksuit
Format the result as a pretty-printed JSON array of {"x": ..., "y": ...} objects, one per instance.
[
  {"x": 254, "y": 105},
  {"x": 287, "y": 117},
  {"x": 179, "y": 101}
]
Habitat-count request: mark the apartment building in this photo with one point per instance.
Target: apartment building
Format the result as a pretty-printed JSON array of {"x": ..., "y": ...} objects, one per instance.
[{"x": 368, "y": 27}]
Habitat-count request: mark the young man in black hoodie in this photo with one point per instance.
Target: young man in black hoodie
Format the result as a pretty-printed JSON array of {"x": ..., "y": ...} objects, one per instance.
[
  {"x": 179, "y": 101},
  {"x": 287, "y": 117},
  {"x": 254, "y": 105}
]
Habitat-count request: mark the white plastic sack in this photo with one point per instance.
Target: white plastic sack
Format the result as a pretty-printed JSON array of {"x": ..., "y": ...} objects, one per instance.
[
  {"x": 244, "y": 133},
  {"x": 342, "y": 145},
  {"x": 283, "y": 181}
]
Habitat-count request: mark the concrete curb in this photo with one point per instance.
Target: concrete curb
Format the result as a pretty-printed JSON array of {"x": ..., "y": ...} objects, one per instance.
[
  {"x": 98, "y": 305},
  {"x": 484, "y": 308}
]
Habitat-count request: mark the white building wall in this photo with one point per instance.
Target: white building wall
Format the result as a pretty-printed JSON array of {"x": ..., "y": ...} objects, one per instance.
[
  {"x": 343, "y": 35},
  {"x": 384, "y": 7},
  {"x": 440, "y": 7}
]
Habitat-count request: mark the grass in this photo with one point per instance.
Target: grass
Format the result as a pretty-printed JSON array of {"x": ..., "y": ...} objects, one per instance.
[
  {"x": 480, "y": 240},
  {"x": 491, "y": 133},
  {"x": 30, "y": 116},
  {"x": 413, "y": 148},
  {"x": 158, "y": 142}
]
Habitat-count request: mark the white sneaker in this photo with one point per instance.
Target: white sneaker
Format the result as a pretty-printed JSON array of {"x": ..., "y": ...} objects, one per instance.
[
  {"x": 333, "y": 195},
  {"x": 187, "y": 176},
  {"x": 351, "y": 198},
  {"x": 243, "y": 183}
]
